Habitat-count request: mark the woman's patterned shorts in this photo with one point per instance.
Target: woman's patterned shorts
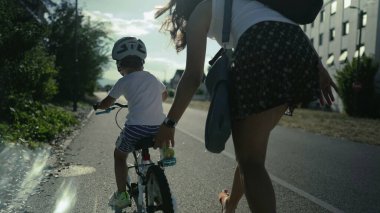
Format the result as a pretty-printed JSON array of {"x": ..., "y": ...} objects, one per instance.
[{"x": 274, "y": 64}]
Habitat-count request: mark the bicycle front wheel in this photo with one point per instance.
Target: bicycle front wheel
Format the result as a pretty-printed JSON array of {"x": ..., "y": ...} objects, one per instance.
[{"x": 157, "y": 194}]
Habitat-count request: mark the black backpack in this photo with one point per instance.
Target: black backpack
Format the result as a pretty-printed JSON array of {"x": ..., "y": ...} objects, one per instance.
[{"x": 299, "y": 11}]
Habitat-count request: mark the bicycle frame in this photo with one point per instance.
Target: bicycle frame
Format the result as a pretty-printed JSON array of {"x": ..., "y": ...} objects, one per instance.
[
  {"x": 141, "y": 165},
  {"x": 142, "y": 162}
]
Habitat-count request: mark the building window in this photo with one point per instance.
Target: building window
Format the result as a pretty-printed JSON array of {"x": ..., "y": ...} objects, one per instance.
[
  {"x": 330, "y": 60},
  {"x": 346, "y": 28},
  {"x": 362, "y": 50},
  {"x": 347, "y": 3},
  {"x": 343, "y": 56},
  {"x": 312, "y": 41},
  {"x": 364, "y": 19},
  {"x": 332, "y": 34},
  {"x": 321, "y": 39},
  {"x": 322, "y": 16},
  {"x": 333, "y": 7}
]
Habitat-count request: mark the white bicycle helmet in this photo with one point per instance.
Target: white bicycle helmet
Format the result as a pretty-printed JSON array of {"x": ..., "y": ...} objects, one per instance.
[{"x": 128, "y": 46}]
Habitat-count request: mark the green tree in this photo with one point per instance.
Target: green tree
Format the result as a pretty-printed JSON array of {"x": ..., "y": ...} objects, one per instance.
[
  {"x": 356, "y": 88},
  {"x": 77, "y": 77},
  {"x": 27, "y": 77},
  {"x": 26, "y": 70}
]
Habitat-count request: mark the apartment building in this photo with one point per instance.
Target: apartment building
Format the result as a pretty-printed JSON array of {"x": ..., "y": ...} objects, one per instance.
[
  {"x": 200, "y": 94},
  {"x": 335, "y": 33}
]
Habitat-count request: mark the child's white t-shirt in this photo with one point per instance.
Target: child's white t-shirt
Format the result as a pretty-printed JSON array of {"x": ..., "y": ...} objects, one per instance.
[{"x": 143, "y": 92}]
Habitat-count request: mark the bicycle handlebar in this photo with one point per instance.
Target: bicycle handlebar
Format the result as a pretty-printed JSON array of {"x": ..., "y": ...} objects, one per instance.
[
  {"x": 121, "y": 105},
  {"x": 114, "y": 106}
]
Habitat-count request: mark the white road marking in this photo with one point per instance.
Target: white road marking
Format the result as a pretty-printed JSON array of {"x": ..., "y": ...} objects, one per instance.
[
  {"x": 90, "y": 113},
  {"x": 279, "y": 181},
  {"x": 95, "y": 204}
]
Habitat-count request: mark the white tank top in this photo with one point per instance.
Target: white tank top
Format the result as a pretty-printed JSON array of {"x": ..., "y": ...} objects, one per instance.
[{"x": 245, "y": 13}]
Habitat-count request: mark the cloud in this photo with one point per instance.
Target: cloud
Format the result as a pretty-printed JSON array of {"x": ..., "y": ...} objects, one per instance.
[
  {"x": 171, "y": 64},
  {"x": 162, "y": 68},
  {"x": 121, "y": 27}
]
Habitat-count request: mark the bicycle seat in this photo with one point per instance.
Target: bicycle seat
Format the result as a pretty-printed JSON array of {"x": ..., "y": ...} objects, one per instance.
[{"x": 144, "y": 143}]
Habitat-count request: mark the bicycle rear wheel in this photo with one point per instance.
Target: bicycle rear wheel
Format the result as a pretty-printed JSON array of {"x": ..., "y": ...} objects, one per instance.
[{"x": 157, "y": 191}]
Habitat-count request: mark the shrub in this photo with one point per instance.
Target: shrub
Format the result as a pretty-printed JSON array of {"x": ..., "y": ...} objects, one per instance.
[
  {"x": 356, "y": 88},
  {"x": 199, "y": 92},
  {"x": 32, "y": 76},
  {"x": 34, "y": 122}
]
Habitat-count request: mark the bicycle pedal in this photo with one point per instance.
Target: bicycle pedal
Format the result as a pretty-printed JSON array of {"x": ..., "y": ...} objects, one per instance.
[{"x": 134, "y": 189}]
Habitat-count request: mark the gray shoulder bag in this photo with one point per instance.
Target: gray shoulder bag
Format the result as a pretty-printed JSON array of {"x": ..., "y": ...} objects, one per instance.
[{"x": 218, "y": 123}]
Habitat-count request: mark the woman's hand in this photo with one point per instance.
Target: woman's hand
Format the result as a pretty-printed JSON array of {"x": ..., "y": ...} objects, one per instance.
[
  {"x": 325, "y": 84},
  {"x": 164, "y": 137}
]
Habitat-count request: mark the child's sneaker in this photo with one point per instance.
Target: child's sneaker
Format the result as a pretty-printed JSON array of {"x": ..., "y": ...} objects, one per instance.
[{"x": 120, "y": 200}]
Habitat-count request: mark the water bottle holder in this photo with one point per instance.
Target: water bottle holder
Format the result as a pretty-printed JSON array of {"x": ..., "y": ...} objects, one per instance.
[{"x": 167, "y": 162}]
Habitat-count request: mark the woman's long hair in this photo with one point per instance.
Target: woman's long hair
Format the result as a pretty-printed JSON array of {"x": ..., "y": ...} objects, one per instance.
[{"x": 175, "y": 23}]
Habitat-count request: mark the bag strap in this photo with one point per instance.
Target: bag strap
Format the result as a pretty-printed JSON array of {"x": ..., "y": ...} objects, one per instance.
[
  {"x": 216, "y": 56},
  {"x": 225, "y": 31},
  {"x": 227, "y": 22}
]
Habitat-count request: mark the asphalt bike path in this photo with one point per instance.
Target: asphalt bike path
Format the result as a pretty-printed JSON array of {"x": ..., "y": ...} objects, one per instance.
[
  {"x": 310, "y": 173},
  {"x": 195, "y": 181}
]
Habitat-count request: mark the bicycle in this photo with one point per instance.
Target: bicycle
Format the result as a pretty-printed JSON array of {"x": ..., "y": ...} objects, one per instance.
[{"x": 151, "y": 180}]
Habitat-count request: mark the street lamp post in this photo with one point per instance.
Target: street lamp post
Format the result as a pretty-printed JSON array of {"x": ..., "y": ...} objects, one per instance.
[
  {"x": 76, "y": 82},
  {"x": 357, "y": 85}
]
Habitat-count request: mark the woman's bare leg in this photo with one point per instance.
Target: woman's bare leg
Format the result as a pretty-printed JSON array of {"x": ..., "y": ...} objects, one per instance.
[
  {"x": 236, "y": 194},
  {"x": 250, "y": 137}
]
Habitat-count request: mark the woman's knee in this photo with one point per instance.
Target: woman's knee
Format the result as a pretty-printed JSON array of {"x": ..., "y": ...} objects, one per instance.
[{"x": 251, "y": 165}]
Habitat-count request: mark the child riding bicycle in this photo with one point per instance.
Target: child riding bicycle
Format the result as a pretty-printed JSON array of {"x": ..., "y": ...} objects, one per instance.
[{"x": 144, "y": 93}]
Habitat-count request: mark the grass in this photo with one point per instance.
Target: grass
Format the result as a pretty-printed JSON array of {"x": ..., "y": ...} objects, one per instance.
[
  {"x": 337, "y": 125},
  {"x": 34, "y": 124}
]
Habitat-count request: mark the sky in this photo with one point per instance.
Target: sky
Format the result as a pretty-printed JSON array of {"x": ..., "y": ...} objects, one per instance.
[{"x": 136, "y": 18}]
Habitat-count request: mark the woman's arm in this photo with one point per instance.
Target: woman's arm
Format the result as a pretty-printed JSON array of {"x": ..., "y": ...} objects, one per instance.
[
  {"x": 325, "y": 82},
  {"x": 196, "y": 37},
  {"x": 164, "y": 95}
]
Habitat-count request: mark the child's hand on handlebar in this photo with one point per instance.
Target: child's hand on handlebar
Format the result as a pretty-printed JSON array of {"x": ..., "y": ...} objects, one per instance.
[{"x": 95, "y": 106}]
